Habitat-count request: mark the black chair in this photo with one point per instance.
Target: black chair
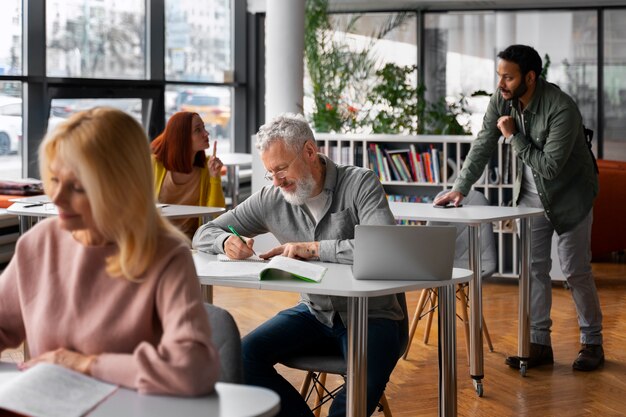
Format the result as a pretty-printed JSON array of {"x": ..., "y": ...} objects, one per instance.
[
  {"x": 226, "y": 338},
  {"x": 317, "y": 367}
]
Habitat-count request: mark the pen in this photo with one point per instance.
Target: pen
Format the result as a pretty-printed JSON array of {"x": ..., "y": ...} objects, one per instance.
[{"x": 232, "y": 229}]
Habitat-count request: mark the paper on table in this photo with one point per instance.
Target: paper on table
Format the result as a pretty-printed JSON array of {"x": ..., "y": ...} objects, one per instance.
[
  {"x": 254, "y": 258},
  {"x": 47, "y": 390}
]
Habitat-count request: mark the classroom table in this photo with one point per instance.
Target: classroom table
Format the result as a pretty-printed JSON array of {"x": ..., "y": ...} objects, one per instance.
[
  {"x": 37, "y": 207},
  {"x": 473, "y": 217},
  {"x": 233, "y": 162},
  {"x": 338, "y": 281},
  {"x": 229, "y": 400}
]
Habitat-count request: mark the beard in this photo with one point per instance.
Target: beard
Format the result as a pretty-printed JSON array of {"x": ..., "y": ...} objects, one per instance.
[
  {"x": 519, "y": 91},
  {"x": 304, "y": 188}
]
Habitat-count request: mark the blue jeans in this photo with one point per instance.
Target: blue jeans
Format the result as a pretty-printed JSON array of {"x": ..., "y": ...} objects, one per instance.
[
  {"x": 296, "y": 331},
  {"x": 574, "y": 249}
]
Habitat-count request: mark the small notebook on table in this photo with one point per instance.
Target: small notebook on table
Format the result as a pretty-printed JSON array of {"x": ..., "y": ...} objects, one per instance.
[{"x": 278, "y": 267}]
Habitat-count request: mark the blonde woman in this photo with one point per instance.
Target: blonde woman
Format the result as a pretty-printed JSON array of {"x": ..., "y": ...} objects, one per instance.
[{"x": 108, "y": 287}]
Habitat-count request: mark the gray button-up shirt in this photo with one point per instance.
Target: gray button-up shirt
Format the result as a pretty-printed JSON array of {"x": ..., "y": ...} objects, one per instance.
[{"x": 355, "y": 197}]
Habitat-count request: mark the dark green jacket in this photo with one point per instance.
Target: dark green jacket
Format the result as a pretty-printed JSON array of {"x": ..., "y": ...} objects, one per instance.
[{"x": 554, "y": 148}]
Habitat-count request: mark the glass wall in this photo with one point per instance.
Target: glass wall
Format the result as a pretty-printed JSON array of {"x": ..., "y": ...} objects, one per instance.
[
  {"x": 462, "y": 49},
  {"x": 96, "y": 39},
  {"x": 11, "y": 128},
  {"x": 371, "y": 40},
  {"x": 615, "y": 85},
  {"x": 11, "y": 38},
  {"x": 199, "y": 52},
  {"x": 103, "y": 52}
]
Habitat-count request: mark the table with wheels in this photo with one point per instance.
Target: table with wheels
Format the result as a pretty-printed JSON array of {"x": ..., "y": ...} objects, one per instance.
[{"x": 473, "y": 217}]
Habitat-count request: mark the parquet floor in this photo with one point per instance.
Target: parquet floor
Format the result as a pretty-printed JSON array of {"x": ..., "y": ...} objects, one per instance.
[{"x": 550, "y": 391}]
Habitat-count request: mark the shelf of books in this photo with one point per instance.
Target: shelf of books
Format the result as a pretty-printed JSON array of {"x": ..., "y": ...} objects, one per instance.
[{"x": 415, "y": 168}]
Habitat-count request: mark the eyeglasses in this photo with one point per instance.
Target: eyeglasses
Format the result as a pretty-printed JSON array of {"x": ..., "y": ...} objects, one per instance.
[{"x": 280, "y": 175}]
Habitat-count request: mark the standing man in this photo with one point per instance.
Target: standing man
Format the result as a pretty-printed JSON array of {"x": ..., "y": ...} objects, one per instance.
[
  {"x": 312, "y": 208},
  {"x": 556, "y": 172}
]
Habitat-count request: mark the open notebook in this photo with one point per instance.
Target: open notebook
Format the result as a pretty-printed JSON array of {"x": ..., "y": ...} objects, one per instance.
[
  {"x": 48, "y": 390},
  {"x": 279, "y": 267}
]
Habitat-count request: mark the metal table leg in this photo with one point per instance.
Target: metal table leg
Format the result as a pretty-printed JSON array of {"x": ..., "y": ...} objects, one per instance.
[
  {"x": 476, "y": 309},
  {"x": 356, "y": 401},
  {"x": 523, "y": 334},
  {"x": 207, "y": 293},
  {"x": 26, "y": 222},
  {"x": 233, "y": 183},
  {"x": 447, "y": 352}
]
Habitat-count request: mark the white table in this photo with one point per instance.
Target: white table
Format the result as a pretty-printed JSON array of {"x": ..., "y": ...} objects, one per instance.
[
  {"x": 474, "y": 216},
  {"x": 40, "y": 206},
  {"x": 338, "y": 281},
  {"x": 230, "y": 400},
  {"x": 233, "y": 162}
]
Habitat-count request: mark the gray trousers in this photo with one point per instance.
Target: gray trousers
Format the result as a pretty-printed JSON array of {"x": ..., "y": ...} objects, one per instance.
[{"x": 574, "y": 249}]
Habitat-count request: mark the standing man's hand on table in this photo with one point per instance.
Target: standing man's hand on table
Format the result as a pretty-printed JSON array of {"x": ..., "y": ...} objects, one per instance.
[{"x": 454, "y": 197}]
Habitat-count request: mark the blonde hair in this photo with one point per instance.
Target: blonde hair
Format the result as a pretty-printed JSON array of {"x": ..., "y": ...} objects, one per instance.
[{"x": 108, "y": 151}]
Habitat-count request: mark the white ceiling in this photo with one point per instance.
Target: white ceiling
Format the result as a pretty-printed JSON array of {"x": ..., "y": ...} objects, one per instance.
[{"x": 256, "y": 6}]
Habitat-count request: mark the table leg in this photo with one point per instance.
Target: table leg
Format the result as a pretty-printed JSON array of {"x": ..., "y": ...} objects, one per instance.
[
  {"x": 207, "y": 293},
  {"x": 476, "y": 309},
  {"x": 523, "y": 333},
  {"x": 356, "y": 401},
  {"x": 26, "y": 222},
  {"x": 447, "y": 351},
  {"x": 233, "y": 183}
]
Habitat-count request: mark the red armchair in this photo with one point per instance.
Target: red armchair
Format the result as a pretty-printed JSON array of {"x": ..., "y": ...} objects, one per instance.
[{"x": 609, "y": 211}]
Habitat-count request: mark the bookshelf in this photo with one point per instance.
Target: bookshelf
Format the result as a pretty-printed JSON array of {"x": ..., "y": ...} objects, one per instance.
[{"x": 450, "y": 151}]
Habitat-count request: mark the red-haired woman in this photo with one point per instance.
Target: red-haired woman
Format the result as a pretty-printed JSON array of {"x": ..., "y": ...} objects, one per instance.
[{"x": 183, "y": 174}]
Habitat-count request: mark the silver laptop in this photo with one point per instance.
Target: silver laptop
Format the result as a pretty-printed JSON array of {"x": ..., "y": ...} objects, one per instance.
[{"x": 423, "y": 253}]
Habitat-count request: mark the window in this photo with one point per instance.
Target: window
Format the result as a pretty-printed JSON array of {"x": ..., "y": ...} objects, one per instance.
[
  {"x": 10, "y": 130},
  {"x": 96, "y": 39},
  {"x": 213, "y": 104},
  {"x": 461, "y": 58},
  {"x": 615, "y": 85},
  {"x": 61, "y": 109},
  {"x": 11, "y": 38},
  {"x": 198, "y": 39}
]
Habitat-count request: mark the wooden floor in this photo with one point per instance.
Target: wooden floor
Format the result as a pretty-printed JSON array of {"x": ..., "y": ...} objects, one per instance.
[{"x": 550, "y": 391}]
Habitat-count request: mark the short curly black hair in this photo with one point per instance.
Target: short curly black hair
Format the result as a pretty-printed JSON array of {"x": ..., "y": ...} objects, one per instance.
[{"x": 525, "y": 56}]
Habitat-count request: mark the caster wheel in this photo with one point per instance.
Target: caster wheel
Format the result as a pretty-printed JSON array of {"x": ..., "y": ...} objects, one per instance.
[
  {"x": 522, "y": 369},
  {"x": 478, "y": 386}
]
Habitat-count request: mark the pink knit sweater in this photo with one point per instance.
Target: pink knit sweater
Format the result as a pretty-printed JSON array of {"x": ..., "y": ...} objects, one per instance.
[{"x": 152, "y": 336}]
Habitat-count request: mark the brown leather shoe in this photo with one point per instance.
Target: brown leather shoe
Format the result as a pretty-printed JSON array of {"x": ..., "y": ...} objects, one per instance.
[
  {"x": 539, "y": 355},
  {"x": 589, "y": 358}
]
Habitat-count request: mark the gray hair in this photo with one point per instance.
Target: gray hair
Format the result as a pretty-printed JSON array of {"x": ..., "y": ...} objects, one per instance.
[{"x": 291, "y": 128}]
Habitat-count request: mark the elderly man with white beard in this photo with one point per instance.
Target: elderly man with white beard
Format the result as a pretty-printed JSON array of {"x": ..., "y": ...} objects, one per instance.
[{"x": 311, "y": 207}]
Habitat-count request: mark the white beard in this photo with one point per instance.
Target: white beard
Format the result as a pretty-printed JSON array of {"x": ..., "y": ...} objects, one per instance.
[{"x": 304, "y": 188}]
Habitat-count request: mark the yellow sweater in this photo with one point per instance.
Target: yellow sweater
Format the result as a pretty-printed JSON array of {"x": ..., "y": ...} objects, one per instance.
[{"x": 211, "y": 194}]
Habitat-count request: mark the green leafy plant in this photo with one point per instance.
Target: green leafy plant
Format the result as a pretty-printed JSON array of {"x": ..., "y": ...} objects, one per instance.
[
  {"x": 399, "y": 106},
  {"x": 340, "y": 76},
  {"x": 350, "y": 96}
]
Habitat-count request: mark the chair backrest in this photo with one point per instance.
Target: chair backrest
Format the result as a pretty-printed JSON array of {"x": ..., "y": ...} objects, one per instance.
[
  {"x": 488, "y": 252},
  {"x": 226, "y": 338},
  {"x": 404, "y": 323}
]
